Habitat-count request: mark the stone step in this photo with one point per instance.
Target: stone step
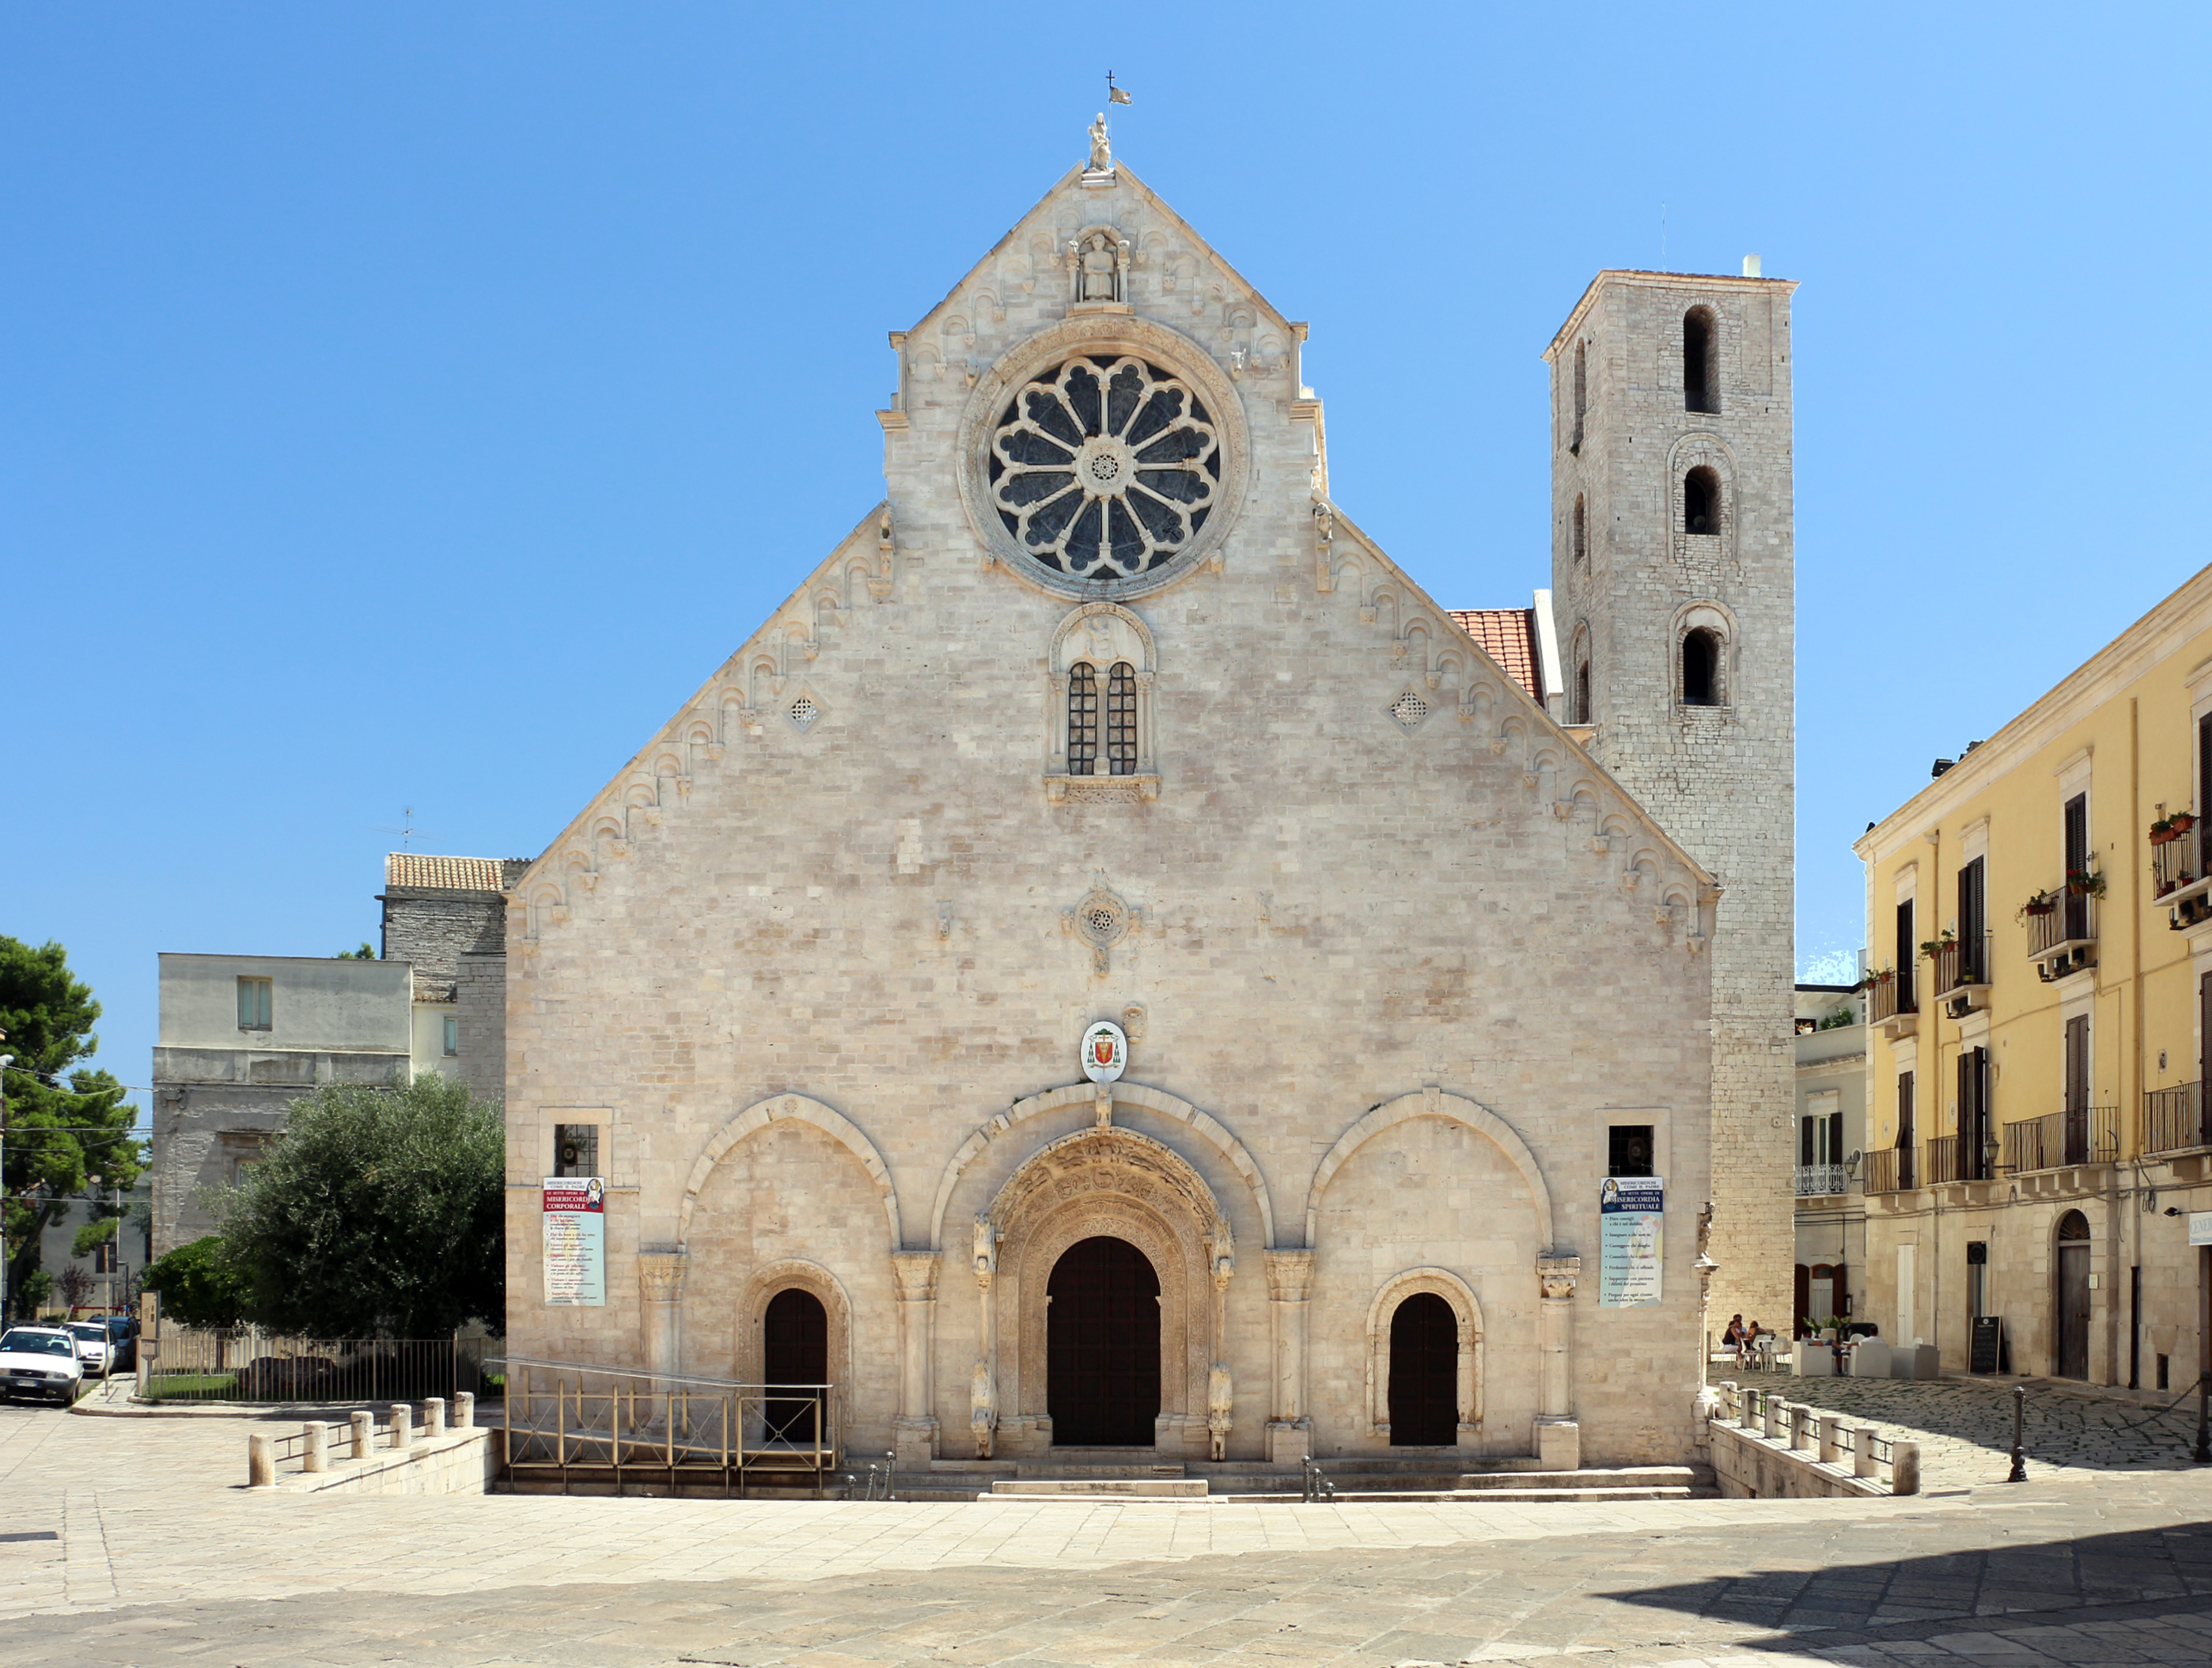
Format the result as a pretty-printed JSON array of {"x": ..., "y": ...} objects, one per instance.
[
  {"x": 1034, "y": 1469},
  {"x": 1097, "y": 1488},
  {"x": 1526, "y": 1496}
]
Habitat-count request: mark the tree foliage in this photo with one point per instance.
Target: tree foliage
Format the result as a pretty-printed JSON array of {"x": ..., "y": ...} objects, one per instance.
[
  {"x": 66, "y": 1123},
  {"x": 377, "y": 1211},
  {"x": 199, "y": 1285}
]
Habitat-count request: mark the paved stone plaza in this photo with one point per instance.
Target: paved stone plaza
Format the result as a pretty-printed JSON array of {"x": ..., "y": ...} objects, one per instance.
[{"x": 129, "y": 1541}]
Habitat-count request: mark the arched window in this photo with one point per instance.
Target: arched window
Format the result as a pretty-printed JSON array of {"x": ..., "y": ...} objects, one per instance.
[
  {"x": 1121, "y": 720},
  {"x": 1701, "y": 668},
  {"x": 1581, "y": 530},
  {"x": 1082, "y": 720},
  {"x": 1701, "y": 501},
  {"x": 1582, "y": 705},
  {"x": 1581, "y": 392},
  {"x": 1700, "y": 366}
]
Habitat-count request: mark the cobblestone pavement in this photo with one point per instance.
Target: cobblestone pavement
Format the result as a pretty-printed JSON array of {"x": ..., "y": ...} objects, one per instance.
[
  {"x": 1964, "y": 1426},
  {"x": 156, "y": 1556}
]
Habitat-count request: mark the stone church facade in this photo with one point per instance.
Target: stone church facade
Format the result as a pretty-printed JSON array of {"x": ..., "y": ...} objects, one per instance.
[{"x": 1108, "y": 712}]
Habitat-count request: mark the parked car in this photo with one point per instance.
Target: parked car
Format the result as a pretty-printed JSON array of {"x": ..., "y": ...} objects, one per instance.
[
  {"x": 122, "y": 1343},
  {"x": 40, "y": 1361},
  {"x": 90, "y": 1337}
]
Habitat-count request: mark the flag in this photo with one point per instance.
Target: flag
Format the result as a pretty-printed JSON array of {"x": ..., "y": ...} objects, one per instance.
[{"x": 1115, "y": 95}]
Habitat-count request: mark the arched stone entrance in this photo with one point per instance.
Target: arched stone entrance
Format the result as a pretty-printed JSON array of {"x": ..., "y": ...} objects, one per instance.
[
  {"x": 1104, "y": 1182},
  {"x": 1103, "y": 1345},
  {"x": 1423, "y": 1395}
]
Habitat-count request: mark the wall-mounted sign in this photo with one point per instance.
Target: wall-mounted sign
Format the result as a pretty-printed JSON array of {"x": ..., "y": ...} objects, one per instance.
[
  {"x": 1105, "y": 1051},
  {"x": 2200, "y": 1227},
  {"x": 576, "y": 1242},
  {"x": 1631, "y": 1213}
]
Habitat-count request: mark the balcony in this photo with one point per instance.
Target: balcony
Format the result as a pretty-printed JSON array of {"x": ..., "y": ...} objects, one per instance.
[
  {"x": 2173, "y": 1119},
  {"x": 1820, "y": 1181},
  {"x": 2178, "y": 880},
  {"x": 2081, "y": 1135},
  {"x": 2062, "y": 934},
  {"x": 1962, "y": 974},
  {"x": 1948, "y": 1161},
  {"x": 1892, "y": 1004},
  {"x": 1893, "y": 1170}
]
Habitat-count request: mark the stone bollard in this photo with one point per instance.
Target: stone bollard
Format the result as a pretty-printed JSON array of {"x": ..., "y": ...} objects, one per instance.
[
  {"x": 1863, "y": 1438},
  {"x": 1770, "y": 1424},
  {"x": 433, "y": 1416},
  {"x": 464, "y": 1411},
  {"x": 364, "y": 1434},
  {"x": 1801, "y": 1425},
  {"x": 315, "y": 1446},
  {"x": 1747, "y": 1411},
  {"x": 403, "y": 1427},
  {"x": 260, "y": 1462},
  {"x": 1904, "y": 1467},
  {"x": 1831, "y": 1449}
]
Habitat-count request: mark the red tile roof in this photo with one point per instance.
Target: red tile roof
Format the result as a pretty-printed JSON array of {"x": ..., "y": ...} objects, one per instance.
[
  {"x": 414, "y": 868},
  {"x": 1508, "y": 636}
]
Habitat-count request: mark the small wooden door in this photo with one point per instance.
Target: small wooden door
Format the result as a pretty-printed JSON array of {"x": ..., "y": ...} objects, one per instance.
[
  {"x": 1103, "y": 1346},
  {"x": 2073, "y": 1297},
  {"x": 1424, "y": 1373},
  {"x": 795, "y": 1352}
]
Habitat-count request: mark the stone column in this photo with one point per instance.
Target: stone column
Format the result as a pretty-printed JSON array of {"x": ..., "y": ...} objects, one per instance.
[
  {"x": 1289, "y": 1285},
  {"x": 660, "y": 1288},
  {"x": 1558, "y": 1438},
  {"x": 983, "y": 1379},
  {"x": 915, "y": 1431}
]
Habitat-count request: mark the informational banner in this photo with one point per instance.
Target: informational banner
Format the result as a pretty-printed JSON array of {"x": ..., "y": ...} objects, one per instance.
[
  {"x": 1631, "y": 1214},
  {"x": 2200, "y": 1227},
  {"x": 576, "y": 1241}
]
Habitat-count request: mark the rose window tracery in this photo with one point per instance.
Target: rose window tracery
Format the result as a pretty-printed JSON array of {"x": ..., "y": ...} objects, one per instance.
[{"x": 1104, "y": 468}]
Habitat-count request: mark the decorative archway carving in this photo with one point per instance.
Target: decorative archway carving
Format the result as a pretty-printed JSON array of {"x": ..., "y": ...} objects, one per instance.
[
  {"x": 1116, "y": 1182},
  {"x": 783, "y": 1274}
]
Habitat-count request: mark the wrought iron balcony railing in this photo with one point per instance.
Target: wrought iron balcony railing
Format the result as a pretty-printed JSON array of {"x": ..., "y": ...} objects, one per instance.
[
  {"x": 2081, "y": 1135},
  {"x": 1893, "y": 1170},
  {"x": 2173, "y": 1119},
  {"x": 2061, "y": 937},
  {"x": 1887, "y": 998},
  {"x": 1816, "y": 1181},
  {"x": 1962, "y": 965},
  {"x": 2177, "y": 878}
]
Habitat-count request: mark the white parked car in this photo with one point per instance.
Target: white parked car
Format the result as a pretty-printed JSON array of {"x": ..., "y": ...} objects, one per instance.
[
  {"x": 92, "y": 1345},
  {"x": 40, "y": 1361}
]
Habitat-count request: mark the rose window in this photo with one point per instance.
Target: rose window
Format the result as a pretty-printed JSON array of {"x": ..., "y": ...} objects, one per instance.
[{"x": 1105, "y": 468}]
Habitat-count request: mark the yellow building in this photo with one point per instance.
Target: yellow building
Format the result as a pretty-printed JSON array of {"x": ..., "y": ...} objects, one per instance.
[{"x": 2040, "y": 953}]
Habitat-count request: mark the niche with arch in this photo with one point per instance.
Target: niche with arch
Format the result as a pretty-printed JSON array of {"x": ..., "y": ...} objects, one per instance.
[
  {"x": 1705, "y": 656},
  {"x": 1099, "y": 707},
  {"x": 1701, "y": 369}
]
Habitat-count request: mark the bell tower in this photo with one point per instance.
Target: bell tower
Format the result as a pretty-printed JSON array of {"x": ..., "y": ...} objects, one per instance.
[{"x": 1672, "y": 565}]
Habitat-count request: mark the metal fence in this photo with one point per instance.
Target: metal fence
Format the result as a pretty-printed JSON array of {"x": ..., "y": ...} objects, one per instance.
[
  {"x": 2081, "y": 1135},
  {"x": 570, "y": 1422},
  {"x": 2174, "y": 1118},
  {"x": 251, "y": 1365}
]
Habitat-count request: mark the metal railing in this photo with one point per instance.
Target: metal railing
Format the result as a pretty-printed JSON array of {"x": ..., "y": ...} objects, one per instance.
[
  {"x": 2081, "y": 1135},
  {"x": 1892, "y": 1170},
  {"x": 1821, "y": 1436},
  {"x": 2177, "y": 864},
  {"x": 251, "y": 1365},
  {"x": 573, "y": 1422},
  {"x": 1887, "y": 998},
  {"x": 2070, "y": 919},
  {"x": 1962, "y": 963},
  {"x": 1818, "y": 1180},
  {"x": 2173, "y": 1118},
  {"x": 1949, "y": 1160}
]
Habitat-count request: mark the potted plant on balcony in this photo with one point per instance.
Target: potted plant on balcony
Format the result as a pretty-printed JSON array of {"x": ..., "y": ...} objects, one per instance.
[
  {"x": 1885, "y": 976},
  {"x": 1932, "y": 947},
  {"x": 2163, "y": 832},
  {"x": 2184, "y": 821},
  {"x": 2040, "y": 903},
  {"x": 2084, "y": 883}
]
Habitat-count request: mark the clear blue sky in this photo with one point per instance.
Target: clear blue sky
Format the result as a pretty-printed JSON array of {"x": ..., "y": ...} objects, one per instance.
[{"x": 409, "y": 404}]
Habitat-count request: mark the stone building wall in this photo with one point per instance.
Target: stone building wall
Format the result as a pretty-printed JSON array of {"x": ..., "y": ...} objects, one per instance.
[
  {"x": 816, "y": 961},
  {"x": 1720, "y": 779}
]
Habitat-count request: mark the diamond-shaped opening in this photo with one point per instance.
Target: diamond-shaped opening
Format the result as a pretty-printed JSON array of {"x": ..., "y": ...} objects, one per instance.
[
  {"x": 803, "y": 711},
  {"x": 1409, "y": 709}
]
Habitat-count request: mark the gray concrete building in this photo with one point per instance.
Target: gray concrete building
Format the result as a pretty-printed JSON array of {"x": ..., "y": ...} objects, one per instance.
[{"x": 243, "y": 1037}]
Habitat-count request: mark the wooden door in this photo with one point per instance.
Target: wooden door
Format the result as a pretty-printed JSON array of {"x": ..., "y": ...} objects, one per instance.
[
  {"x": 1424, "y": 1373},
  {"x": 796, "y": 1353},
  {"x": 1103, "y": 1346},
  {"x": 2073, "y": 1297}
]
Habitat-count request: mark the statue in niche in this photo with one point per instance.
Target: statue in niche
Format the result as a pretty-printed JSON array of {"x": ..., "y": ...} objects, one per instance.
[
  {"x": 1102, "y": 152},
  {"x": 982, "y": 1408},
  {"x": 1220, "y": 1405},
  {"x": 987, "y": 1246},
  {"x": 1098, "y": 263}
]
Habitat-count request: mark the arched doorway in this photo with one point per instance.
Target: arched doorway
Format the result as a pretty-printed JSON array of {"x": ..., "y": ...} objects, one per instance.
[
  {"x": 795, "y": 1350},
  {"x": 1424, "y": 1373},
  {"x": 1103, "y": 1346},
  {"x": 2073, "y": 1296}
]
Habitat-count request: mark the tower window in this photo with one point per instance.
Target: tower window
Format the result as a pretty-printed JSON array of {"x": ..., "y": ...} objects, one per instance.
[
  {"x": 1700, "y": 369},
  {"x": 1701, "y": 669},
  {"x": 1582, "y": 714},
  {"x": 1581, "y": 530},
  {"x": 1581, "y": 392},
  {"x": 1082, "y": 720},
  {"x": 1701, "y": 501},
  {"x": 1121, "y": 720}
]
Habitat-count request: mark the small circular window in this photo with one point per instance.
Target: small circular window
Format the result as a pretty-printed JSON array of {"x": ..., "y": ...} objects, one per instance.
[{"x": 1104, "y": 468}]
